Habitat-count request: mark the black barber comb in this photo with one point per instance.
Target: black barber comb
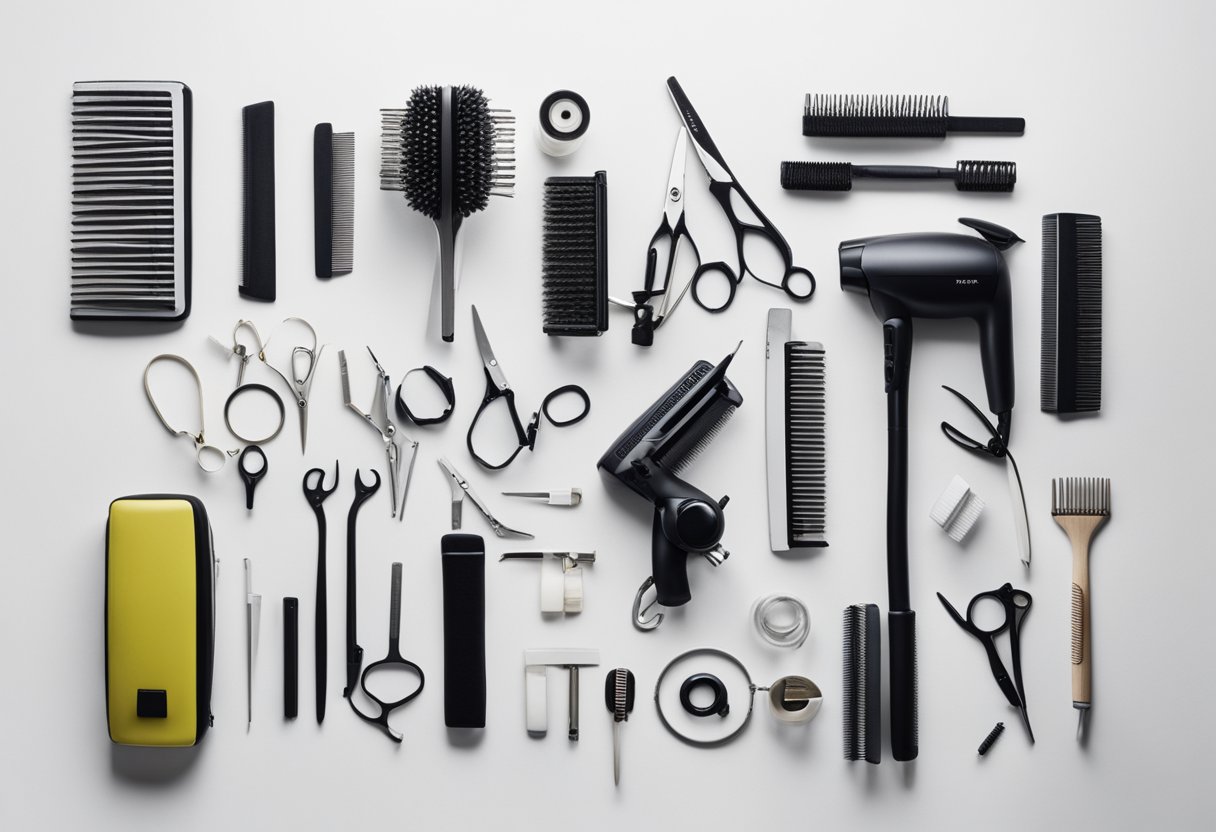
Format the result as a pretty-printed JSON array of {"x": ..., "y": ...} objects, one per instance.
[
  {"x": 968, "y": 175},
  {"x": 895, "y": 116}
]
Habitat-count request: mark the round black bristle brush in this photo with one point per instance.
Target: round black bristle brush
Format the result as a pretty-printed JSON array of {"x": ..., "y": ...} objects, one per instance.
[
  {"x": 448, "y": 151},
  {"x": 968, "y": 175}
]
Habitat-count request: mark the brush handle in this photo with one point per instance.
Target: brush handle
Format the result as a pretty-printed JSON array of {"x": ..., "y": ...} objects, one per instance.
[
  {"x": 1080, "y": 531},
  {"x": 985, "y": 124}
]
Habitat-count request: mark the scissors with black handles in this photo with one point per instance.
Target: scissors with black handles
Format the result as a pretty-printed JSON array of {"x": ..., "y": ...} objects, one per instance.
[
  {"x": 1016, "y": 604},
  {"x": 795, "y": 281}
]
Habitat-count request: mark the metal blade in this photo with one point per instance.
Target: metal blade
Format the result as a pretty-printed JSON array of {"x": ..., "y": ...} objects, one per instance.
[
  {"x": 487, "y": 353},
  {"x": 673, "y": 206}
]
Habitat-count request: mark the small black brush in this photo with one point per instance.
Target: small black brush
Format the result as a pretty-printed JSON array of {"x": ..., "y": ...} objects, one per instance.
[
  {"x": 575, "y": 255},
  {"x": 258, "y": 251},
  {"x": 894, "y": 116},
  {"x": 333, "y": 197},
  {"x": 968, "y": 175},
  {"x": 862, "y": 684},
  {"x": 448, "y": 152},
  {"x": 1071, "y": 366}
]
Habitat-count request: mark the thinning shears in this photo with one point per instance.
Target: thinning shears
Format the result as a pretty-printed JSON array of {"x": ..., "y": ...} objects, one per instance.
[
  {"x": 725, "y": 188},
  {"x": 379, "y": 419},
  {"x": 660, "y": 293},
  {"x": 1016, "y": 603}
]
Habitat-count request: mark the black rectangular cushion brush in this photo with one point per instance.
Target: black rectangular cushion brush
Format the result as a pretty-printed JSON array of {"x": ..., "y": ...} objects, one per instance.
[
  {"x": 333, "y": 188},
  {"x": 258, "y": 247},
  {"x": 1071, "y": 358},
  {"x": 575, "y": 255},
  {"x": 464, "y": 630}
]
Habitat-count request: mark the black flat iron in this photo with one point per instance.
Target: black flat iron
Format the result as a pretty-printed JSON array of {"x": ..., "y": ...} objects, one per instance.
[{"x": 647, "y": 458}]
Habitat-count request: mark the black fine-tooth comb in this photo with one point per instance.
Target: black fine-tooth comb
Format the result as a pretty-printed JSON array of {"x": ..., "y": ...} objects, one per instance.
[
  {"x": 968, "y": 175},
  {"x": 258, "y": 247},
  {"x": 862, "y": 684},
  {"x": 1071, "y": 359},
  {"x": 895, "y": 116},
  {"x": 333, "y": 195},
  {"x": 575, "y": 255},
  {"x": 130, "y": 200}
]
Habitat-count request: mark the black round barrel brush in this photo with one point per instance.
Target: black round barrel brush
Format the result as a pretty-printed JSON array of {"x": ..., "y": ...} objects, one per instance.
[
  {"x": 968, "y": 175},
  {"x": 448, "y": 151}
]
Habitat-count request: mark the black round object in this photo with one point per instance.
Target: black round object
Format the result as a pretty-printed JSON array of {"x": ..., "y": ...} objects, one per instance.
[
  {"x": 546, "y": 123},
  {"x": 719, "y": 706},
  {"x": 991, "y": 177},
  {"x": 422, "y": 129},
  {"x": 561, "y": 391},
  {"x": 444, "y": 383},
  {"x": 261, "y": 388},
  {"x": 697, "y": 524}
]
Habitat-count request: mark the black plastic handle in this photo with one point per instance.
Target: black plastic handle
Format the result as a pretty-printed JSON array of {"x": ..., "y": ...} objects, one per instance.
[
  {"x": 901, "y": 630},
  {"x": 669, "y": 566}
]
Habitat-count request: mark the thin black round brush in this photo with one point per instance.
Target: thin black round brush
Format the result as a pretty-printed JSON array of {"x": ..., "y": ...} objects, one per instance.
[
  {"x": 448, "y": 152},
  {"x": 968, "y": 175}
]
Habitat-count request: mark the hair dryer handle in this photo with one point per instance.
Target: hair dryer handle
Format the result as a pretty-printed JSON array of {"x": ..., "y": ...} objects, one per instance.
[
  {"x": 996, "y": 350},
  {"x": 668, "y": 564}
]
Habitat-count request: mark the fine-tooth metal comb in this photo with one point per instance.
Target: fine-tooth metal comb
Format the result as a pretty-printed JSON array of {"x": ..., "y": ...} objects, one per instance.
[
  {"x": 131, "y": 200},
  {"x": 1080, "y": 505},
  {"x": 795, "y": 439},
  {"x": 333, "y": 183}
]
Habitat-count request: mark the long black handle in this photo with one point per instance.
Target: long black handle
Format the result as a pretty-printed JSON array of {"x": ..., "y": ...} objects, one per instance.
[
  {"x": 901, "y": 620},
  {"x": 669, "y": 566},
  {"x": 291, "y": 657},
  {"x": 985, "y": 124},
  {"x": 321, "y": 631},
  {"x": 902, "y": 172}
]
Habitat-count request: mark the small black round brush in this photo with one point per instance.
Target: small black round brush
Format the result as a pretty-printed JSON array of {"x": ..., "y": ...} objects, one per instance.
[
  {"x": 448, "y": 152},
  {"x": 968, "y": 175}
]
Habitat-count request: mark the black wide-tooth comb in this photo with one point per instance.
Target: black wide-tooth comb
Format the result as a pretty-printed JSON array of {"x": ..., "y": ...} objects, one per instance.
[
  {"x": 862, "y": 695},
  {"x": 968, "y": 175},
  {"x": 894, "y": 116},
  {"x": 1071, "y": 358},
  {"x": 258, "y": 244},
  {"x": 333, "y": 192},
  {"x": 574, "y": 258},
  {"x": 448, "y": 152}
]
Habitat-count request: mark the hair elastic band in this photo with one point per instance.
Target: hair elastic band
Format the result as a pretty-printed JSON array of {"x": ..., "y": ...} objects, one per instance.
[
  {"x": 561, "y": 391},
  {"x": 251, "y": 388},
  {"x": 445, "y": 387}
]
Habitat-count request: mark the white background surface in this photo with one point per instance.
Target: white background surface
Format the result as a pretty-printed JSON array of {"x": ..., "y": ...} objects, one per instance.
[{"x": 1119, "y": 123}]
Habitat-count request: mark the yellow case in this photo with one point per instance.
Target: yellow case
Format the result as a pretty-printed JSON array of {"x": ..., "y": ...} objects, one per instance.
[{"x": 160, "y": 613}]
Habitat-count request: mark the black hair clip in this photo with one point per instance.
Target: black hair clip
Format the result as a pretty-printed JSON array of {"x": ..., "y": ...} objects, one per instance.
[{"x": 445, "y": 387}]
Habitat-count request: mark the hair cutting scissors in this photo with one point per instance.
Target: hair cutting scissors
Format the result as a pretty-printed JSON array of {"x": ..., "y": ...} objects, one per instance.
[
  {"x": 1016, "y": 603},
  {"x": 498, "y": 388},
  {"x": 394, "y": 661},
  {"x": 301, "y": 368},
  {"x": 382, "y": 424},
  {"x": 663, "y": 253},
  {"x": 724, "y": 188}
]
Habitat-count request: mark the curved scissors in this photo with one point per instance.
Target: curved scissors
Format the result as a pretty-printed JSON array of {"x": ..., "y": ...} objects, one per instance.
[
  {"x": 498, "y": 388},
  {"x": 393, "y": 660},
  {"x": 1016, "y": 603},
  {"x": 303, "y": 365},
  {"x": 723, "y": 186},
  {"x": 661, "y": 259}
]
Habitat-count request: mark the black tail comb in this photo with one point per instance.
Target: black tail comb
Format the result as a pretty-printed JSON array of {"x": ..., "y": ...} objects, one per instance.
[
  {"x": 894, "y": 116},
  {"x": 967, "y": 175}
]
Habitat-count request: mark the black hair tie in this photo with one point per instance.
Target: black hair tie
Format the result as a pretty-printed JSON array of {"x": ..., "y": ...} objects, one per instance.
[
  {"x": 719, "y": 706},
  {"x": 445, "y": 386},
  {"x": 561, "y": 391}
]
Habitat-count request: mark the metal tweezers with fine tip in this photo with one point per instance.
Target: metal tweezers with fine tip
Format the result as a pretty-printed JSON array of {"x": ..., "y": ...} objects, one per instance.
[{"x": 460, "y": 487}]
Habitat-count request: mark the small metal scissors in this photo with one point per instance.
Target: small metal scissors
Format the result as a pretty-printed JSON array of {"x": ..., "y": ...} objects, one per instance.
[
  {"x": 380, "y": 421},
  {"x": 723, "y": 186},
  {"x": 460, "y": 487},
  {"x": 662, "y": 254},
  {"x": 302, "y": 367},
  {"x": 1016, "y": 603},
  {"x": 498, "y": 388}
]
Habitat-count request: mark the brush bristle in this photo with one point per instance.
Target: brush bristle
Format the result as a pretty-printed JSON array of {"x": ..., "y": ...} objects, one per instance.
[
  {"x": 681, "y": 457},
  {"x": 1071, "y": 349},
  {"x": 575, "y": 254},
  {"x": 875, "y": 115},
  {"x": 985, "y": 176},
  {"x": 817, "y": 176},
  {"x": 861, "y": 728},
  {"x": 805, "y": 445},
  {"x": 411, "y": 148}
]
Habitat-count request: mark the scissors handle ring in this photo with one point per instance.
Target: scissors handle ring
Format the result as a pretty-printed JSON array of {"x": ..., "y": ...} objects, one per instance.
[{"x": 732, "y": 280}]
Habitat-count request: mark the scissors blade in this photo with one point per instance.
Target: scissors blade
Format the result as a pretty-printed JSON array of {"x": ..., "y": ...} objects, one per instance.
[
  {"x": 673, "y": 206},
  {"x": 487, "y": 354},
  {"x": 1021, "y": 522},
  {"x": 393, "y": 456},
  {"x": 456, "y": 483},
  {"x": 409, "y": 475},
  {"x": 707, "y": 151}
]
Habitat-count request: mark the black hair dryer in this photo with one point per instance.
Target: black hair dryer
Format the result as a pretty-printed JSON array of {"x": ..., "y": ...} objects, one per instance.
[{"x": 929, "y": 275}]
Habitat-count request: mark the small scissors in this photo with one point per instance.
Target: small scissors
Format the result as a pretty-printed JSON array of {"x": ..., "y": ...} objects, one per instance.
[
  {"x": 497, "y": 388},
  {"x": 303, "y": 365},
  {"x": 380, "y": 421},
  {"x": 663, "y": 253},
  {"x": 460, "y": 487},
  {"x": 723, "y": 186},
  {"x": 393, "y": 661},
  {"x": 1016, "y": 603}
]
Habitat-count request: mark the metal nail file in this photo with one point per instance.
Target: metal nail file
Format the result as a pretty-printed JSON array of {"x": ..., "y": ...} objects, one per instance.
[{"x": 253, "y": 620}]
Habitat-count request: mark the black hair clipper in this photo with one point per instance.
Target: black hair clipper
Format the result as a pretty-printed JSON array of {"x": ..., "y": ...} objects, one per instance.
[{"x": 647, "y": 458}]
